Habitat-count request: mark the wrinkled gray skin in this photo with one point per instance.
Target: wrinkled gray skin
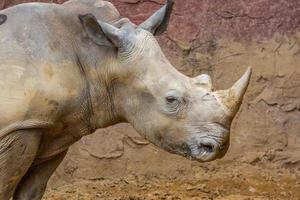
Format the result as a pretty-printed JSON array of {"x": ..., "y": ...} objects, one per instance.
[{"x": 66, "y": 70}]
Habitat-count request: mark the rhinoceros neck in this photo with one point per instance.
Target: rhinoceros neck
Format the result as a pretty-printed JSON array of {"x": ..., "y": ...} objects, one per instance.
[{"x": 98, "y": 69}]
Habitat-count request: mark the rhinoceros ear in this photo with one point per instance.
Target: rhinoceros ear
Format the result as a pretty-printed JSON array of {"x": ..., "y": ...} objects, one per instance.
[
  {"x": 100, "y": 32},
  {"x": 158, "y": 22}
]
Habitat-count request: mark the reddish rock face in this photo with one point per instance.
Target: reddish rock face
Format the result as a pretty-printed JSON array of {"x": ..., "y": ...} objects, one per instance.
[
  {"x": 220, "y": 38},
  {"x": 212, "y": 20}
]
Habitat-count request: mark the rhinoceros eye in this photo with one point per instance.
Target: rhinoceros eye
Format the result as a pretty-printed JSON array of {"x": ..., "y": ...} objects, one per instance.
[
  {"x": 173, "y": 102},
  {"x": 171, "y": 99}
]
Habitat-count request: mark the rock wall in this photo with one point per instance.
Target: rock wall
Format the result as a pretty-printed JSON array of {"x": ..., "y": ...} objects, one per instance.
[{"x": 220, "y": 38}]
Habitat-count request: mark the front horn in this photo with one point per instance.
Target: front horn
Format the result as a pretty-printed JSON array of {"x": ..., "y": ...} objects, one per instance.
[{"x": 232, "y": 98}]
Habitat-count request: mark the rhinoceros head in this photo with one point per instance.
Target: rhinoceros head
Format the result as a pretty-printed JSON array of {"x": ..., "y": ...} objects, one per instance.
[{"x": 180, "y": 114}]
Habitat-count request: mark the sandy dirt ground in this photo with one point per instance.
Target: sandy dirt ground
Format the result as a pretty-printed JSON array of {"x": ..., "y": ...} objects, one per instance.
[{"x": 240, "y": 182}]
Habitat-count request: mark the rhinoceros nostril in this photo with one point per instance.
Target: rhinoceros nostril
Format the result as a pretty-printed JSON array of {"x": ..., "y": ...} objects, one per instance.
[{"x": 209, "y": 148}]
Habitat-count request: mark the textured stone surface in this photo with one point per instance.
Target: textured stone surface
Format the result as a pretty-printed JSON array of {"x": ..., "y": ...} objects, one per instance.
[{"x": 220, "y": 38}]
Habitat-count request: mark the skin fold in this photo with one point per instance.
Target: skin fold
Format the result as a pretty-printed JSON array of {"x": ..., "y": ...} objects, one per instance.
[{"x": 67, "y": 70}]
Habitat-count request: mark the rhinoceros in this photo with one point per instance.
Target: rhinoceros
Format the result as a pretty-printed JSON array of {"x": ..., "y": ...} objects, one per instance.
[{"x": 67, "y": 70}]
